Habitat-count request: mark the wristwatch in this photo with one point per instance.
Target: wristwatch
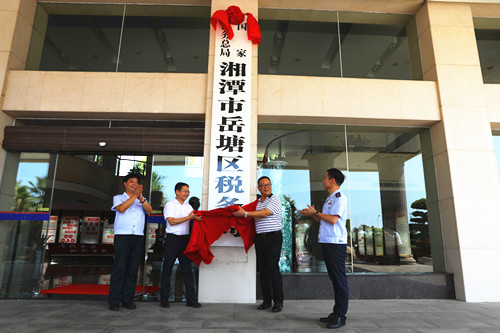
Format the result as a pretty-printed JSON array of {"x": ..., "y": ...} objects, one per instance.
[
  {"x": 317, "y": 212},
  {"x": 143, "y": 201}
]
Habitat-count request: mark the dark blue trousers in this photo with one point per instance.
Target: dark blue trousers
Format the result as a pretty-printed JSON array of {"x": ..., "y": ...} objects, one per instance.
[
  {"x": 173, "y": 248},
  {"x": 128, "y": 251},
  {"x": 268, "y": 251},
  {"x": 334, "y": 255}
]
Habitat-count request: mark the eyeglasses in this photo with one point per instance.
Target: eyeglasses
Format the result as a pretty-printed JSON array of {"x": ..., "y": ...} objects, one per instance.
[
  {"x": 184, "y": 191},
  {"x": 265, "y": 185}
]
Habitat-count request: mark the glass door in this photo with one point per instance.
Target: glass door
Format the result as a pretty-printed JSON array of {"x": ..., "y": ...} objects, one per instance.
[{"x": 24, "y": 214}]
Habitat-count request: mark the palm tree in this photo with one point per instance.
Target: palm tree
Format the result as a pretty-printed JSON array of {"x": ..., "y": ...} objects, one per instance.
[{"x": 38, "y": 191}]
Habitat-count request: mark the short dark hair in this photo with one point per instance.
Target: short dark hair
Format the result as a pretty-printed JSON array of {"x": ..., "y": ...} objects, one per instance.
[
  {"x": 194, "y": 202},
  {"x": 337, "y": 175},
  {"x": 130, "y": 176},
  {"x": 263, "y": 177},
  {"x": 179, "y": 186}
]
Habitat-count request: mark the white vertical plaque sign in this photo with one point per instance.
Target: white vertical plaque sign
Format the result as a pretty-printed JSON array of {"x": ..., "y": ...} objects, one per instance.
[{"x": 229, "y": 173}]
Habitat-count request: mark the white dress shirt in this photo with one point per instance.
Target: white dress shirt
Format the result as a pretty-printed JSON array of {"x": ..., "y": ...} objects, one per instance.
[
  {"x": 177, "y": 210},
  {"x": 131, "y": 221}
]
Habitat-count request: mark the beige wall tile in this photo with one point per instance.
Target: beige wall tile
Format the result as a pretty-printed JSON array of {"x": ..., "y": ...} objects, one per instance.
[
  {"x": 478, "y": 284},
  {"x": 7, "y": 26},
  {"x": 426, "y": 51},
  {"x": 460, "y": 122},
  {"x": 482, "y": 168},
  {"x": 103, "y": 92},
  {"x": 27, "y": 9},
  {"x": 180, "y": 99},
  {"x": 450, "y": 14},
  {"x": 445, "y": 190},
  {"x": 9, "y": 5},
  {"x": 24, "y": 90},
  {"x": 21, "y": 42},
  {"x": 4, "y": 62},
  {"x": 455, "y": 46},
  {"x": 138, "y": 93},
  {"x": 419, "y": 100},
  {"x": 301, "y": 95},
  {"x": 270, "y": 95},
  {"x": 448, "y": 225},
  {"x": 63, "y": 91},
  {"x": 460, "y": 85}
]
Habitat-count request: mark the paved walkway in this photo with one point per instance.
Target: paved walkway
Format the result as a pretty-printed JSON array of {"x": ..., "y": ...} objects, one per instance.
[{"x": 297, "y": 316}]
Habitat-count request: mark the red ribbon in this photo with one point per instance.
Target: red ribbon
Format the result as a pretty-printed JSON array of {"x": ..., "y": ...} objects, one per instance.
[{"x": 253, "y": 28}]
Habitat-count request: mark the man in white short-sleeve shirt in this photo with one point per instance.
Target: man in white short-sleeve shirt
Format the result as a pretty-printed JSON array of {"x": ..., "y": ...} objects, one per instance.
[
  {"x": 131, "y": 208},
  {"x": 178, "y": 213}
]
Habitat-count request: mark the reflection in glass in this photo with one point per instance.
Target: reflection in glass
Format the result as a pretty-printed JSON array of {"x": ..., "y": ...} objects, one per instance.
[
  {"x": 299, "y": 48},
  {"x": 361, "y": 45},
  {"x": 166, "y": 172},
  {"x": 80, "y": 43},
  {"x": 496, "y": 143},
  {"x": 386, "y": 184},
  {"x": 165, "y": 44},
  {"x": 488, "y": 46},
  {"x": 387, "y": 49},
  {"x": 24, "y": 189}
]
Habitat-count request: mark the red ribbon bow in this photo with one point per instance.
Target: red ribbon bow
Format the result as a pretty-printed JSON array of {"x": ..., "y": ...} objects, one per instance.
[{"x": 233, "y": 16}]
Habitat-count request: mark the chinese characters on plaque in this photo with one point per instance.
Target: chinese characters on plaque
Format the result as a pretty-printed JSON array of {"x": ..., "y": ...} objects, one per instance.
[{"x": 229, "y": 179}]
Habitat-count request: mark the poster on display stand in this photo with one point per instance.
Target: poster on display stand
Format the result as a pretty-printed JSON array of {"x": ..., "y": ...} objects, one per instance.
[
  {"x": 108, "y": 233},
  {"x": 51, "y": 232},
  {"x": 68, "y": 230},
  {"x": 90, "y": 230}
]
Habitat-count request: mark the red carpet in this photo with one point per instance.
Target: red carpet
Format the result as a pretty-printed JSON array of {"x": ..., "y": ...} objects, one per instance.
[{"x": 93, "y": 289}]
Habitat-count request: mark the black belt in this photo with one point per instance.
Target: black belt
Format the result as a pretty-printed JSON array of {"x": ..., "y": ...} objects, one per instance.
[
  {"x": 269, "y": 233},
  {"x": 178, "y": 236}
]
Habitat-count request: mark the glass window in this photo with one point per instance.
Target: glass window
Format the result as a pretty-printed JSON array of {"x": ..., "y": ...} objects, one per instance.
[
  {"x": 382, "y": 46},
  {"x": 387, "y": 179},
  {"x": 76, "y": 41},
  {"x": 488, "y": 46},
  {"x": 123, "y": 38},
  {"x": 162, "y": 39}
]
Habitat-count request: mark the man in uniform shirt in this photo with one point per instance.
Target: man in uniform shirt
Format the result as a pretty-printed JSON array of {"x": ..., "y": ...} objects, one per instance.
[
  {"x": 178, "y": 213},
  {"x": 333, "y": 239},
  {"x": 268, "y": 240},
  {"x": 130, "y": 208}
]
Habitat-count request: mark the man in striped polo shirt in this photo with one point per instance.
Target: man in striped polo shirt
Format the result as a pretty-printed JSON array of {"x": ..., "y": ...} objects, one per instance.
[{"x": 268, "y": 240}]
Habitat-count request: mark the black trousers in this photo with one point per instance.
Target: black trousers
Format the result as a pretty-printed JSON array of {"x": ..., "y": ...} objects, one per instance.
[
  {"x": 268, "y": 250},
  {"x": 334, "y": 255},
  {"x": 173, "y": 248},
  {"x": 128, "y": 251}
]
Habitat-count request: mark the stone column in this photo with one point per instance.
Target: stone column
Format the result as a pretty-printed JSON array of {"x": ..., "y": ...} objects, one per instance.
[
  {"x": 231, "y": 277},
  {"x": 467, "y": 175},
  {"x": 394, "y": 205}
]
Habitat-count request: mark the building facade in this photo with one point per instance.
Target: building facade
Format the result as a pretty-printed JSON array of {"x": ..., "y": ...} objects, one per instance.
[{"x": 403, "y": 96}]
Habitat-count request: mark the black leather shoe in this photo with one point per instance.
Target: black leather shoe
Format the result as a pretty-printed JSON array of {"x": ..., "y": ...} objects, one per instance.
[
  {"x": 277, "y": 307},
  {"x": 193, "y": 304},
  {"x": 330, "y": 318},
  {"x": 337, "y": 323},
  {"x": 264, "y": 306},
  {"x": 114, "y": 307},
  {"x": 165, "y": 304},
  {"x": 129, "y": 305}
]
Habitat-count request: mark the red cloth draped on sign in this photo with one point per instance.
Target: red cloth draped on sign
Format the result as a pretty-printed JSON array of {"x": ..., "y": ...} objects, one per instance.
[
  {"x": 211, "y": 227},
  {"x": 253, "y": 28}
]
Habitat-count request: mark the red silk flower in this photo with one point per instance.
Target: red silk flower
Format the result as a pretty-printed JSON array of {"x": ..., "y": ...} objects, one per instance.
[{"x": 234, "y": 16}]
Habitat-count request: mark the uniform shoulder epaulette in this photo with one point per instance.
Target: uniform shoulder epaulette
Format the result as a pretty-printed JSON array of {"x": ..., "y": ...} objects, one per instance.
[{"x": 337, "y": 195}]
